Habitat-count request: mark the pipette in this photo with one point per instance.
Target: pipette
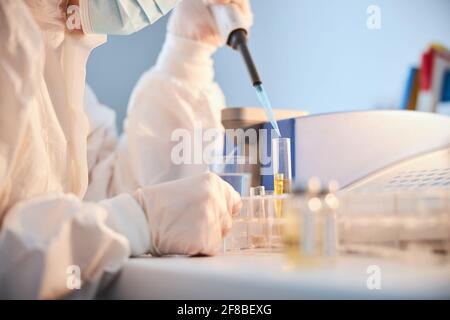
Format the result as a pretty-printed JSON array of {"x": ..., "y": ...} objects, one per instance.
[{"x": 232, "y": 27}]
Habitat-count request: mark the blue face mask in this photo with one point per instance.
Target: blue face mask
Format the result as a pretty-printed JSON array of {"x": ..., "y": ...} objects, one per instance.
[{"x": 121, "y": 16}]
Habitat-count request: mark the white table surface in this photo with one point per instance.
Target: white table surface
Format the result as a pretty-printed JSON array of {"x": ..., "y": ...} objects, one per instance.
[{"x": 268, "y": 276}]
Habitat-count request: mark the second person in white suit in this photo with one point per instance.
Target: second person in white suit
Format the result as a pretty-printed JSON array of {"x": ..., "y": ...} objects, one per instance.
[{"x": 71, "y": 192}]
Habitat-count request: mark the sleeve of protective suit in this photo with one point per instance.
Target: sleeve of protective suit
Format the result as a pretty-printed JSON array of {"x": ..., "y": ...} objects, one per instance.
[
  {"x": 174, "y": 104},
  {"x": 45, "y": 240},
  {"x": 56, "y": 245}
]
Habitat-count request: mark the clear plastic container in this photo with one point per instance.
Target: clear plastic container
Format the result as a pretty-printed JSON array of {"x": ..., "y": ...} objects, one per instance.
[
  {"x": 409, "y": 225},
  {"x": 235, "y": 170}
]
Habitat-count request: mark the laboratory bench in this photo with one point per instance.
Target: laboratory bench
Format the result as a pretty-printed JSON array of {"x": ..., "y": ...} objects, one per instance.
[{"x": 259, "y": 275}]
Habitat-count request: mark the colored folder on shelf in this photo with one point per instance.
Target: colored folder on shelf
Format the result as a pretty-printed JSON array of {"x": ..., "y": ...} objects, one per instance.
[
  {"x": 445, "y": 96},
  {"x": 411, "y": 90},
  {"x": 435, "y": 64}
]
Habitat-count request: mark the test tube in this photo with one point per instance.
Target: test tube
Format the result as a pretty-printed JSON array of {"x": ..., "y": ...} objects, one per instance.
[
  {"x": 281, "y": 161},
  {"x": 257, "y": 202},
  {"x": 256, "y": 228}
]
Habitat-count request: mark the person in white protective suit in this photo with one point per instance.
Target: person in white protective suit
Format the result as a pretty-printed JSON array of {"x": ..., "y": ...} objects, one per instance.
[{"x": 71, "y": 193}]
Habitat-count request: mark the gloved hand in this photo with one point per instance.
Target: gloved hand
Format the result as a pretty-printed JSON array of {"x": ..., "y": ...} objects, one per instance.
[
  {"x": 192, "y": 19},
  {"x": 189, "y": 216}
]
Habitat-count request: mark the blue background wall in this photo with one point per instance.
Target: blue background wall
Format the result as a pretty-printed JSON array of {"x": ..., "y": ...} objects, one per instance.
[{"x": 316, "y": 55}]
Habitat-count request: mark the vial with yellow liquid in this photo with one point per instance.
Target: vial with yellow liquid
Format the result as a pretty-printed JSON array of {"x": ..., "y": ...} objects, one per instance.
[
  {"x": 282, "y": 173},
  {"x": 281, "y": 161},
  {"x": 282, "y": 170},
  {"x": 310, "y": 234}
]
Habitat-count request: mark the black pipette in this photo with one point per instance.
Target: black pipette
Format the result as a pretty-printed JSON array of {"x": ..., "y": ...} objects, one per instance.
[{"x": 232, "y": 27}]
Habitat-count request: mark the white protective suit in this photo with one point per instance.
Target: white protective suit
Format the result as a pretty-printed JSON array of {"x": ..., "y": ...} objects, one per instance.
[{"x": 58, "y": 207}]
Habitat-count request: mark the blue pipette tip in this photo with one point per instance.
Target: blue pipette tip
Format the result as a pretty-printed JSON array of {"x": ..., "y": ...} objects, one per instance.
[{"x": 264, "y": 99}]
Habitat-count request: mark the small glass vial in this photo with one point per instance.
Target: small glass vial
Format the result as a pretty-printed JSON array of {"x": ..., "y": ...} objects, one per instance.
[{"x": 257, "y": 222}]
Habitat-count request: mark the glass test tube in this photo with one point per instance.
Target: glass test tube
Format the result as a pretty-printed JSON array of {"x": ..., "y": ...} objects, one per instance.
[
  {"x": 281, "y": 161},
  {"x": 235, "y": 170},
  {"x": 256, "y": 226}
]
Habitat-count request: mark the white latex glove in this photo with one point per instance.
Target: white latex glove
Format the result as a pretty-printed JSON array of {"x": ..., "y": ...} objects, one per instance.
[
  {"x": 192, "y": 19},
  {"x": 189, "y": 216}
]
